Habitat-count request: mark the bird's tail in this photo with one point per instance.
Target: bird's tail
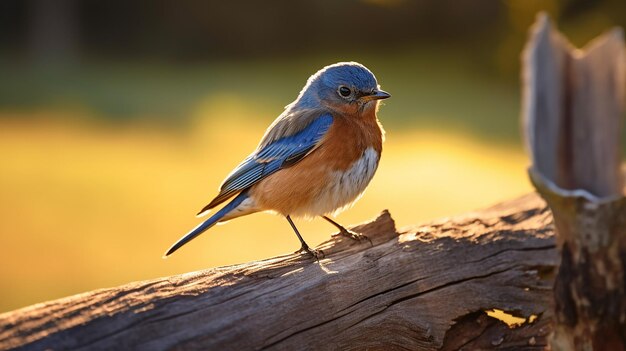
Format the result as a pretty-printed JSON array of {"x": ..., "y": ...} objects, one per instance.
[{"x": 217, "y": 217}]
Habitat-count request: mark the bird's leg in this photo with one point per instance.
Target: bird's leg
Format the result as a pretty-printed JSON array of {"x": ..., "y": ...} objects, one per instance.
[
  {"x": 348, "y": 233},
  {"x": 305, "y": 248}
]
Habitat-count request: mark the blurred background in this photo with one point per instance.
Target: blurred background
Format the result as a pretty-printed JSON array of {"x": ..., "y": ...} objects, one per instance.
[{"x": 119, "y": 120}]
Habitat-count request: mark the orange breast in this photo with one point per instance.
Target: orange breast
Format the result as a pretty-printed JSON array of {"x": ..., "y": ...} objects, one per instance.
[{"x": 299, "y": 189}]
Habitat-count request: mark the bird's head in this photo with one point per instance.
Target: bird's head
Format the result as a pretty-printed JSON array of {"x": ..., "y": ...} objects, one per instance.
[{"x": 346, "y": 87}]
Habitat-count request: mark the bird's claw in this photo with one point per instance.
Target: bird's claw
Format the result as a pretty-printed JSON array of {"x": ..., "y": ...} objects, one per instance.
[
  {"x": 354, "y": 236},
  {"x": 317, "y": 254}
]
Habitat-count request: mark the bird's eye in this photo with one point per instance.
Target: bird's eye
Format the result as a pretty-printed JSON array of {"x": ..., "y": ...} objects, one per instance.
[{"x": 344, "y": 91}]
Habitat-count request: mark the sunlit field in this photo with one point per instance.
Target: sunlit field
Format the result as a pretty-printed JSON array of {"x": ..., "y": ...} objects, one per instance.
[
  {"x": 87, "y": 207},
  {"x": 91, "y": 202}
]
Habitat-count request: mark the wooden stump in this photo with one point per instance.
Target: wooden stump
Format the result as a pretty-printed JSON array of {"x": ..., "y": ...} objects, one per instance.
[{"x": 573, "y": 110}]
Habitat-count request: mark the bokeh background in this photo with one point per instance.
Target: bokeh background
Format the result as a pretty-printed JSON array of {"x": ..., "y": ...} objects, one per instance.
[{"x": 119, "y": 119}]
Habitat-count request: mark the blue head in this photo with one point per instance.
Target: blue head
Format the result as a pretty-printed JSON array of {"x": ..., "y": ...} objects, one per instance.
[{"x": 345, "y": 87}]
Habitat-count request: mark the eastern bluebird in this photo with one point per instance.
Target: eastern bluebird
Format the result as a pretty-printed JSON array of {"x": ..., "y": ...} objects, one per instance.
[{"x": 315, "y": 159}]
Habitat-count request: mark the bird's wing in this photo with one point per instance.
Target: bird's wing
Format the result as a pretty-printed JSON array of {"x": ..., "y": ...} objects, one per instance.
[{"x": 272, "y": 157}]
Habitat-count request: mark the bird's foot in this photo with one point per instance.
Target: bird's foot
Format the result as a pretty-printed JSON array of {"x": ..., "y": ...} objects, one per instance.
[
  {"x": 352, "y": 235},
  {"x": 317, "y": 254}
]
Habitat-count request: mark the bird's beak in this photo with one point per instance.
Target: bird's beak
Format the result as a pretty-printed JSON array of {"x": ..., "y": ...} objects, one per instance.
[{"x": 376, "y": 95}]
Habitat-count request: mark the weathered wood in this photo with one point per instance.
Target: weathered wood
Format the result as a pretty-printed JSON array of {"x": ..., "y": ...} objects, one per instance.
[
  {"x": 572, "y": 109},
  {"x": 573, "y": 112},
  {"x": 425, "y": 287}
]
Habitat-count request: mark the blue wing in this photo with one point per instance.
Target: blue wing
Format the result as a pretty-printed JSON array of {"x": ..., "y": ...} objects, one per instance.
[{"x": 279, "y": 154}]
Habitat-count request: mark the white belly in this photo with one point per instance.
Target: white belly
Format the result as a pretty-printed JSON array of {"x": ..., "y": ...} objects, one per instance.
[{"x": 344, "y": 188}]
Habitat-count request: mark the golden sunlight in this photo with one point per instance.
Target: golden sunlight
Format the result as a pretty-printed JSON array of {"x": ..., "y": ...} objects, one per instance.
[{"x": 90, "y": 206}]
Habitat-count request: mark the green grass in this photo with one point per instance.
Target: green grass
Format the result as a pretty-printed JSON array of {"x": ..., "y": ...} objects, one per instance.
[{"x": 429, "y": 90}]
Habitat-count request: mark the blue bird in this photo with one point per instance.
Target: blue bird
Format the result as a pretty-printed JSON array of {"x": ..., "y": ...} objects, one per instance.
[{"x": 315, "y": 159}]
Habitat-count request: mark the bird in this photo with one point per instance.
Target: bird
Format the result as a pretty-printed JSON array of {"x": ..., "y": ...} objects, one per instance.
[{"x": 314, "y": 160}]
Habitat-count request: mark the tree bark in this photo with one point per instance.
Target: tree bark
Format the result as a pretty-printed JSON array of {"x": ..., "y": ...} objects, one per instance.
[{"x": 425, "y": 287}]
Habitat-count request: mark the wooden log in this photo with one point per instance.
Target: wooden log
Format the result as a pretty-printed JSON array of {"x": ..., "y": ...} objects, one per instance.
[
  {"x": 573, "y": 113},
  {"x": 425, "y": 287}
]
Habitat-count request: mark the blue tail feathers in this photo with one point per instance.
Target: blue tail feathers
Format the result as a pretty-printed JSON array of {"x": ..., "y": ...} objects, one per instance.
[{"x": 208, "y": 223}]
